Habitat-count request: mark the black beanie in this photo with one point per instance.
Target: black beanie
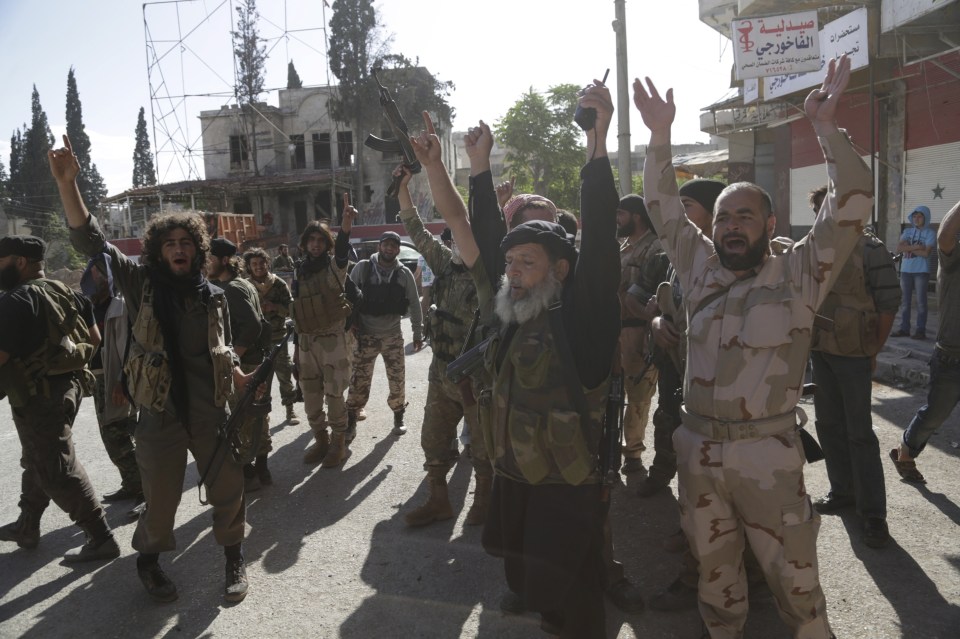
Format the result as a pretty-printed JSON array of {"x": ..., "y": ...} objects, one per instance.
[
  {"x": 549, "y": 234},
  {"x": 705, "y": 192}
]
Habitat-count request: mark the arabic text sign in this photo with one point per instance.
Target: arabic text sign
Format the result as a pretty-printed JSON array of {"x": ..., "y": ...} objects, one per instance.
[
  {"x": 847, "y": 34},
  {"x": 775, "y": 45}
]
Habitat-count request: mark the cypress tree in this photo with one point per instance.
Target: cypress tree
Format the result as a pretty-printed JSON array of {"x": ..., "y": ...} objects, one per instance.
[
  {"x": 143, "y": 171},
  {"x": 90, "y": 182},
  {"x": 38, "y": 195},
  {"x": 293, "y": 78}
]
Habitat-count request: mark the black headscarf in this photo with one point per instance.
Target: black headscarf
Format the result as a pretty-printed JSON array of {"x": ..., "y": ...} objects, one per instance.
[{"x": 550, "y": 235}]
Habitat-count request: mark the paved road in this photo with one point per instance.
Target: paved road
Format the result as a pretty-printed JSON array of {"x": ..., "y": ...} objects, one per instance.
[{"x": 329, "y": 555}]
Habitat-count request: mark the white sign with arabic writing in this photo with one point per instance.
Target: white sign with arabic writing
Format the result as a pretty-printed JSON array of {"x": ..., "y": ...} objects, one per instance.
[
  {"x": 847, "y": 34},
  {"x": 751, "y": 90},
  {"x": 775, "y": 45}
]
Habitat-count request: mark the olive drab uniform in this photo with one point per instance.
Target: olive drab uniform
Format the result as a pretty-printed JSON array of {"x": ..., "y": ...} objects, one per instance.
[
  {"x": 842, "y": 353},
  {"x": 319, "y": 311},
  {"x": 206, "y": 363},
  {"x": 453, "y": 305},
  {"x": 739, "y": 453},
  {"x": 45, "y": 388},
  {"x": 275, "y": 291},
  {"x": 640, "y": 380}
]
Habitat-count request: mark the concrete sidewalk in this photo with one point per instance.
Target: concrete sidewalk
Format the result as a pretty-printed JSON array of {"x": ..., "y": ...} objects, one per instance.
[{"x": 905, "y": 361}]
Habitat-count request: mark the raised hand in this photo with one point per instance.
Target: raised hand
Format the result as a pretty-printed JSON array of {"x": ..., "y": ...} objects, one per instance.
[
  {"x": 403, "y": 193},
  {"x": 478, "y": 143},
  {"x": 63, "y": 163},
  {"x": 821, "y": 104},
  {"x": 426, "y": 146},
  {"x": 597, "y": 96},
  {"x": 504, "y": 192},
  {"x": 349, "y": 213},
  {"x": 656, "y": 113}
]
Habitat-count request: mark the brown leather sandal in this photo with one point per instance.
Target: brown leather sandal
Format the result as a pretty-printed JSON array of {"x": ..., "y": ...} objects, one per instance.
[{"x": 907, "y": 469}]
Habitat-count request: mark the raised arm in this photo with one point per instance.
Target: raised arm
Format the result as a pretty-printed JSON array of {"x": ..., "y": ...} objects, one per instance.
[
  {"x": 65, "y": 168},
  {"x": 434, "y": 253},
  {"x": 426, "y": 146},
  {"x": 486, "y": 215},
  {"x": 341, "y": 246}
]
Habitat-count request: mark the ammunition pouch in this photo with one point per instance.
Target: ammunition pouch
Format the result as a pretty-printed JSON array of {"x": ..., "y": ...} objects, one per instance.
[
  {"x": 148, "y": 377},
  {"x": 15, "y": 384}
]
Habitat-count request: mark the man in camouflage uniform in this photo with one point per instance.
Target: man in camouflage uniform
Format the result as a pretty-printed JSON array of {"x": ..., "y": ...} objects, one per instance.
[
  {"x": 389, "y": 292},
  {"x": 454, "y": 299},
  {"x": 642, "y": 267},
  {"x": 550, "y": 368},
  {"x": 45, "y": 402},
  {"x": 181, "y": 371},
  {"x": 283, "y": 261},
  {"x": 116, "y": 416},
  {"x": 320, "y": 309},
  {"x": 247, "y": 325},
  {"x": 750, "y": 317},
  {"x": 853, "y": 324},
  {"x": 275, "y": 301}
]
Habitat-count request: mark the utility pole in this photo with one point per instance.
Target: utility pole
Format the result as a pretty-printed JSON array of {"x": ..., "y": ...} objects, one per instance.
[{"x": 624, "y": 164}]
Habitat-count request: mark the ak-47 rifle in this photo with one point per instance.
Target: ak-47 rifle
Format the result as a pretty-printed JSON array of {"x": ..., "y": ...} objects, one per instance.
[
  {"x": 228, "y": 437},
  {"x": 400, "y": 143},
  {"x": 611, "y": 440}
]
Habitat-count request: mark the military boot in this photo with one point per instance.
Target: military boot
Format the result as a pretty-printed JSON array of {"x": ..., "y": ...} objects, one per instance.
[
  {"x": 437, "y": 507},
  {"x": 100, "y": 544},
  {"x": 318, "y": 450},
  {"x": 398, "y": 427},
  {"x": 351, "y": 426},
  {"x": 25, "y": 530},
  {"x": 236, "y": 584},
  {"x": 292, "y": 417},
  {"x": 251, "y": 483},
  {"x": 337, "y": 452},
  {"x": 263, "y": 473},
  {"x": 477, "y": 515}
]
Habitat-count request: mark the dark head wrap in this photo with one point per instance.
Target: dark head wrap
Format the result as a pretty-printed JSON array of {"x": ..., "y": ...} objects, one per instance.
[
  {"x": 222, "y": 247},
  {"x": 28, "y": 246},
  {"x": 551, "y": 235},
  {"x": 705, "y": 192}
]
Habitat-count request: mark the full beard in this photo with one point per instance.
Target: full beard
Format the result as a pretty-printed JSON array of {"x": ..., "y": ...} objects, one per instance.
[
  {"x": 627, "y": 229},
  {"x": 537, "y": 300},
  {"x": 9, "y": 277},
  {"x": 751, "y": 258}
]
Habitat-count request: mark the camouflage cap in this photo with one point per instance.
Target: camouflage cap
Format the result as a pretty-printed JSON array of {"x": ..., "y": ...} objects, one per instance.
[{"x": 28, "y": 246}]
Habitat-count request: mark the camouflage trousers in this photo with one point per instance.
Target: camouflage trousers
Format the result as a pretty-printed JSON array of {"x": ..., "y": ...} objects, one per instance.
[
  {"x": 117, "y": 439},
  {"x": 162, "y": 445},
  {"x": 751, "y": 488},
  {"x": 251, "y": 425},
  {"x": 441, "y": 415},
  {"x": 51, "y": 470},
  {"x": 368, "y": 347},
  {"x": 283, "y": 371},
  {"x": 324, "y": 376},
  {"x": 635, "y": 418}
]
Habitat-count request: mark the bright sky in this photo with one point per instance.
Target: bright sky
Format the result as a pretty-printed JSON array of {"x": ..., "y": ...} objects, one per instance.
[{"x": 493, "y": 51}]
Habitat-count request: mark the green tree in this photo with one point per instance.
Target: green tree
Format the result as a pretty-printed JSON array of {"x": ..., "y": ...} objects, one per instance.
[
  {"x": 91, "y": 184},
  {"x": 14, "y": 183},
  {"x": 251, "y": 56},
  {"x": 293, "y": 78},
  {"x": 544, "y": 147},
  {"x": 415, "y": 90},
  {"x": 38, "y": 193},
  {"x": 143, "y": 172},
  {"x": 3, "y": 183}
]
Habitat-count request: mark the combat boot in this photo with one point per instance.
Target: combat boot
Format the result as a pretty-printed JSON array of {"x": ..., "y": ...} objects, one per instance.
[
  {"x": 351, "y": 426},
  {"x": 236, "y": 584},
  {"x": 337, "y": 452},
  {"x": 292, "y": 417},
  {"x": 318, "y": 450},
  {"x": 100, "y": 544},
  {"x": 437, "y": 507},
  {"x": 398, "y": 427},
  {"x": 25, "y": 531},
  {"x": 251, "y": 483},
  {"x": 477, "y": 515},
  {"x": 263, "y": 473}
]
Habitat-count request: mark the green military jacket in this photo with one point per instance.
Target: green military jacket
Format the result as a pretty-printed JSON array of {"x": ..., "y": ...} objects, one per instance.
[{"x": 274, "y": 291}]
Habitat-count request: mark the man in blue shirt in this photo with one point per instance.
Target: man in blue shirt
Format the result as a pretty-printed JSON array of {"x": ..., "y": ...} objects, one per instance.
[{"x": 915, "y": 245}]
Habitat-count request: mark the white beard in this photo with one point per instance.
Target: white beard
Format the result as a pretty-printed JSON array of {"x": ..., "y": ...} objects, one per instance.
[{"x": 537, "y": 300}]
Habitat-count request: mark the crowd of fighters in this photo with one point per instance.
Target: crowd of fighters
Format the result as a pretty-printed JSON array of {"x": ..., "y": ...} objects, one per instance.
[{"x": 684, "y": 290}]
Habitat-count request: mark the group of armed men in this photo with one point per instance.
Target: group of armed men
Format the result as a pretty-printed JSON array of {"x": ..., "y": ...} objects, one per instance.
[{"x": 696, "y": 299}]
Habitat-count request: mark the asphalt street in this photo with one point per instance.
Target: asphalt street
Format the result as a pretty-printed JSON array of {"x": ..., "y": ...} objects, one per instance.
[{"x": 329, "y": 555}]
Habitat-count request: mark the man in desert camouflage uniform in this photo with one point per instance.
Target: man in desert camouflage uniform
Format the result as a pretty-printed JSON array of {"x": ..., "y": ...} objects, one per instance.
[
  {"x": 642, "y": 267},
  {"x": 275, "y": 301},
  {"x": 319, "y": 310},
  {"x": 454, "y": 302},
  {"x": 750, "y": 316}
]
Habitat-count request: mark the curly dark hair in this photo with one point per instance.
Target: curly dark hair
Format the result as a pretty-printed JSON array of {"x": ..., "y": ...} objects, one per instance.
[
  {"x": 315, "y": 226},
  {"x": 255, "y": 252},
  {"x": 192, "y": 223}
]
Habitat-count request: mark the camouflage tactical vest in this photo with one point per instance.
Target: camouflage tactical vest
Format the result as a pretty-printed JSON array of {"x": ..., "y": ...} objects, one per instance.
[
  {"x": 66, "y": 349},
  {"x": 852, "y": 309},
  {"x": 454, "y": 297},
  {"x": 530, "y": 422},
  {"x": 147, "y": 369},
  {"x": 320, "y": 304}
]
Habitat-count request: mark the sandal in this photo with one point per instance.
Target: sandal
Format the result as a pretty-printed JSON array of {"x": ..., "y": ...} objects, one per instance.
[{"x": 907, "y": 469}]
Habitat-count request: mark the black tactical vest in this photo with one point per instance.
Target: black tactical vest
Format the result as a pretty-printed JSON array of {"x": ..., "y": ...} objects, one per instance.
[{"x": 383, "y": 298}]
